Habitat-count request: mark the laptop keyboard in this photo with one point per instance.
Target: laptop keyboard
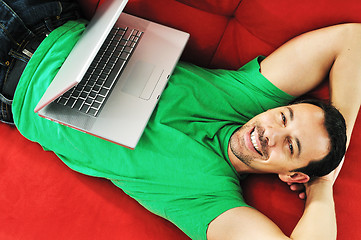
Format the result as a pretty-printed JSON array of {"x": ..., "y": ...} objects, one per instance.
[{"x": 92, "y": 91}]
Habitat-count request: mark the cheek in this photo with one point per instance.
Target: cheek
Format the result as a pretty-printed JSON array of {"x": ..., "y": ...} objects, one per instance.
[
  {"x": 268, "y": 120},
  {"x": 277, "y": 158}
]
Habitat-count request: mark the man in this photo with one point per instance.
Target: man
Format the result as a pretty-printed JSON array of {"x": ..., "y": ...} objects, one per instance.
[
  {"x": 296, "y": 68},
  {"x": 185, "y": 166}
]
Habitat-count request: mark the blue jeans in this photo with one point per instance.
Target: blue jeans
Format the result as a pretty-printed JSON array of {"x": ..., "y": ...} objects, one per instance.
[{"x": 23, "y": 25}]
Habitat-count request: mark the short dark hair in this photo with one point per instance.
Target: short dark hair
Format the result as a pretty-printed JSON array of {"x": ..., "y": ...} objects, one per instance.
[{"x": 336, "y": 128}]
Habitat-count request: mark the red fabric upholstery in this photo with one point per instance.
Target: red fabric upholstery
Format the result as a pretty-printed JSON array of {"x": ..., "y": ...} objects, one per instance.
[{"x": 41, "y": 198}]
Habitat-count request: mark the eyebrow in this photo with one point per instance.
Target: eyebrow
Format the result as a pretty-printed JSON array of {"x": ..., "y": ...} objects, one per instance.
[{"x": 291, "y": 113}]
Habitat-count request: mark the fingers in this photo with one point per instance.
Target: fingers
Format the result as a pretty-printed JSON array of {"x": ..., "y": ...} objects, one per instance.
[
  {"x": 302, "y": 195},
  {"x": 298, "y": 187}
]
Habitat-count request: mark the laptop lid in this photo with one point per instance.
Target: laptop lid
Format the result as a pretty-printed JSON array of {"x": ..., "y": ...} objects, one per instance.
[{"x": 82, "y": 55}]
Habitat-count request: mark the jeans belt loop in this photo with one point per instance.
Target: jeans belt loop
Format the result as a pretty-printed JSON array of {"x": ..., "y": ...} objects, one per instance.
[{"x": 27, "y": 53}]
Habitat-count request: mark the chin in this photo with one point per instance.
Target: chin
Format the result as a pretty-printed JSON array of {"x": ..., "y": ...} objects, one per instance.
[{"x": 238, "y": 146}]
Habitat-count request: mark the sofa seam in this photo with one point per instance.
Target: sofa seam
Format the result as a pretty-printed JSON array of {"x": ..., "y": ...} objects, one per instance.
[{"x": 232, "y": 16}]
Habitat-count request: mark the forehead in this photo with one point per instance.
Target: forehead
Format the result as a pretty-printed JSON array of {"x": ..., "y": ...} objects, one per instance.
[{"x": 308, "y": 126}]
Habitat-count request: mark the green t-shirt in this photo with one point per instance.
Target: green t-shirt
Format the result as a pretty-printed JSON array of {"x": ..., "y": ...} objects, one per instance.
[{"x": 180, "y": 169}]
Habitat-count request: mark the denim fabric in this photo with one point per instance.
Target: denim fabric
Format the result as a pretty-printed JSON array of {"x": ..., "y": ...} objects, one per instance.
[{"x": 23, "y": 25}]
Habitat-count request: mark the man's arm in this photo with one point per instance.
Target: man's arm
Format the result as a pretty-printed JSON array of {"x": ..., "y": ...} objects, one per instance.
[
  {"x": 302, "y": 63},
  {"x": 318, "y": 221}
]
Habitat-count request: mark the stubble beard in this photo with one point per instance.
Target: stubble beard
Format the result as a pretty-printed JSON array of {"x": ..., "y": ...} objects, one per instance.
[{"x": 237, "y": 143}]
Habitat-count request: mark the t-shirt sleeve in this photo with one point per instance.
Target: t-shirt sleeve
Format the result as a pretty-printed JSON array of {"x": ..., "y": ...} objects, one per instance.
[{"x": 265, "y": 93}]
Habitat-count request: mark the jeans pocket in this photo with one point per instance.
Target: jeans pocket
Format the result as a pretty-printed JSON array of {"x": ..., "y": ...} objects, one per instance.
[{"x": 6, "y": 115}]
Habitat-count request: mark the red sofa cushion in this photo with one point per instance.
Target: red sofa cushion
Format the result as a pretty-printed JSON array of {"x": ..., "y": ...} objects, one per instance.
[{"x": 43, "y": 199}]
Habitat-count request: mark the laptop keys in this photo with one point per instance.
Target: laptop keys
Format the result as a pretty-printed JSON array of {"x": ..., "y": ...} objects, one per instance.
[{"x": 91, "y": 93}]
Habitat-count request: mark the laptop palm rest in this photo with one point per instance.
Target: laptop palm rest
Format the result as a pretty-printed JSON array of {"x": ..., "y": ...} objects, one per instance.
[
  {"x": 142, "y": 80},
  {"x": 67, "y": 116}
]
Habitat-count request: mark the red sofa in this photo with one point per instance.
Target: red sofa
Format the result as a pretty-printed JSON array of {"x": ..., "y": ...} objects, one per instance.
[{"x": 41, "y": 198}]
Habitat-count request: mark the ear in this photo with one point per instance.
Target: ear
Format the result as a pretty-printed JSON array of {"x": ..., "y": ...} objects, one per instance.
[{"x": 294, "y": 177}]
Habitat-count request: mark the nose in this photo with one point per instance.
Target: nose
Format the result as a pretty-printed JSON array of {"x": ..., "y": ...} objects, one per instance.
[{"x": 273, "y": 135}]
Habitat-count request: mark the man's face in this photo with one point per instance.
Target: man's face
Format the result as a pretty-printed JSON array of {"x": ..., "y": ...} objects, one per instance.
[{"x": 280, "y": 140}]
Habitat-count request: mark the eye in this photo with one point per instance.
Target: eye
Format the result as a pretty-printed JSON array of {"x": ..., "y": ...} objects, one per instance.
[
  {"x": 284, "y": 120},
  {"x": 290, "y": 146}
]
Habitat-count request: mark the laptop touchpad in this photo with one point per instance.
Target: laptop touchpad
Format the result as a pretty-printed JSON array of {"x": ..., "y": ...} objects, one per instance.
[{"x": 142, "y": 80}]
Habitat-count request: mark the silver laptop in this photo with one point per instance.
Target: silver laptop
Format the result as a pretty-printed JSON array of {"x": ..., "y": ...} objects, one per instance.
[{"x": 110, "y": 83}]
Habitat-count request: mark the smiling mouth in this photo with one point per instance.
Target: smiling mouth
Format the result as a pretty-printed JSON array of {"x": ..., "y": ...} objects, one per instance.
[{"x": 254, "y": 142}]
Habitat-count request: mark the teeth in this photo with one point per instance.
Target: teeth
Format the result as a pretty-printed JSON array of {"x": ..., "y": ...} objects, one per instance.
[{"x": 254, "y": 142}]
